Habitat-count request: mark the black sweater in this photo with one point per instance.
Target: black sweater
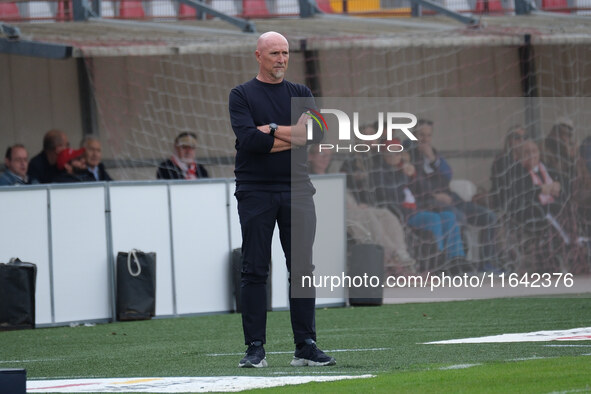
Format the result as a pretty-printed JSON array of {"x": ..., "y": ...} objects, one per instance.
[{"x": 255, "y": 103}]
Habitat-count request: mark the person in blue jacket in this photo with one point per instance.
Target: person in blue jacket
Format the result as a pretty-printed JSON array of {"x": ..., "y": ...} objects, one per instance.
[{"x": 434, "y": 175}]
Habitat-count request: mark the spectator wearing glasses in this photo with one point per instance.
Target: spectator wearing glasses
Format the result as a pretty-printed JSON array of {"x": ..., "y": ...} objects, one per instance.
[
  {"x": 182, "y": 163},
  {"x": 502, "y": 165},
  {"x": 16, "y": 161}
]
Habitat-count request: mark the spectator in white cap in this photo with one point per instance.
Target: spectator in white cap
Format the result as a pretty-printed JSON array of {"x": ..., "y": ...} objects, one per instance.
[{"x": 182, "y": 164}]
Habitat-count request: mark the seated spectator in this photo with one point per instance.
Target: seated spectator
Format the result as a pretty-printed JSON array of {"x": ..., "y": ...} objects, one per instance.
[
  {"x": 369, "y": 224},
  {"x": 396, "y": 182},
  {"x": 16, "y": 161},
  {"x": 560, "y": 152},
  {"x": 72, "y": 166},
  {"x": 43, "y": 166},
  {"x": 93, "y": 156},
  {"x": 537, "y": 198},
  {"x": 433, "y": 177},
  {"x": 502, "y": 164},
  {"x": 182, "y": 164}
]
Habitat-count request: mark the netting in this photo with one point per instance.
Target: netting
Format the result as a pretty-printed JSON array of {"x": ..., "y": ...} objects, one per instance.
[{"x": 144, "y": 102}]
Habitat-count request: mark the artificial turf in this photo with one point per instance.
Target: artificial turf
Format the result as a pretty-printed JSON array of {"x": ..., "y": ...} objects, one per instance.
[{"x": 386, "y": 341}]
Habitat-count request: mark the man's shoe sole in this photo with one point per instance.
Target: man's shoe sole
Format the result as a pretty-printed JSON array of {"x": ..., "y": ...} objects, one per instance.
[
  {"x": 248, "y": 364},
  {"x": 302, "y": 362}
]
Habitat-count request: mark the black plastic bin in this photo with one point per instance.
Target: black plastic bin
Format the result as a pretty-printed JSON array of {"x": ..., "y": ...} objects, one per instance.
[
  {"x": 17, "y": 295},
  {"x": 366, "y": 260}
]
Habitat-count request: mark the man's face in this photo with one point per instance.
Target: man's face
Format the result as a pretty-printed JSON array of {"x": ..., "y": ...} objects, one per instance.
[
  {"x": 320, "y": 161},
  {"x": 425, "y": 134},
  {"x": 273, "y": 57},
  {"x": 93, "y": 153},
  {"x": 19, "y": 162},
  {"x": 392, "y": 158},
  {"x": 185, "y": 153},
  {"x": 517, "y": 138}
]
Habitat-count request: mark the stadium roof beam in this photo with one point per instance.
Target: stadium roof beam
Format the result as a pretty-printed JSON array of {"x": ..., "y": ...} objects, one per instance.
[
  {"x": 468, "y": 20},
  {"x": 245, "y": 25}
]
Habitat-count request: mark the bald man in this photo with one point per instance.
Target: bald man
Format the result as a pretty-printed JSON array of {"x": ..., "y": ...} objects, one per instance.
[
  {"x": 43, "y": 166},
  {"x": 273, "y": 187}
]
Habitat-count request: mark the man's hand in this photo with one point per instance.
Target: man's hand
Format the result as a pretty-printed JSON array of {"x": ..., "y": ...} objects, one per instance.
[
  {"x": 427, "y": 151},
  {"x": 264, "y": 128},
  {"x": 409, "y": 169},
  {"x": 298, "y": 131},
  {"x": 555, "y": 192},
  {"x": 294, "y": 135},
  {"x": 443, "y": 198},
  {"x": 547, "y": 189}
]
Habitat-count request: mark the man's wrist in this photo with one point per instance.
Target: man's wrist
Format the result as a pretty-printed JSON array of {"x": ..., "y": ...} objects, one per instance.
[{"x": 273, "y": 128}]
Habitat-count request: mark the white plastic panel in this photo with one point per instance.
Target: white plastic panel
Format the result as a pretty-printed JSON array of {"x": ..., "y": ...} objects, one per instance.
[
  {"x": 329, "y": 246},
  {"x": 201, "y": 247},
  {"x": 80, "y": 262},
  {"x": 24, "y": 234},
  {"x": 140, "y": 220}
]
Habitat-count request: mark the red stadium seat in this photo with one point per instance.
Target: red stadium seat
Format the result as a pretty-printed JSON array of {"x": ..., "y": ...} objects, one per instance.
[
  {"x": 64, "y": 11},
  {"x": 325, "y": 6},
  {"x": 488, "y": 6},
  {"x": 555, "y": 6},
  {"x": 254, "y": 8},
  {"x": 186, "y": 12},
  {"x": 9, "y": 11},
  {"x": 131, "y": 9}
]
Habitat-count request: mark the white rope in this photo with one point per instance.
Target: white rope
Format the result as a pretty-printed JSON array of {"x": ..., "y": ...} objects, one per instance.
[{"x": 135, "y": 259}]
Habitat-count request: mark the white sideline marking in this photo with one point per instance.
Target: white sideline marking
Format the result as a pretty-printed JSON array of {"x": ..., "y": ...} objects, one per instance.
[
  {"x": 459, "y": 366},
  {"x": 567, "y": 345},
  {"x": 575, "y": 334},
  {"x": 291, "y": 351},
  {"x": 174, "y": 385},
  {"x": 41, "y": 360}
]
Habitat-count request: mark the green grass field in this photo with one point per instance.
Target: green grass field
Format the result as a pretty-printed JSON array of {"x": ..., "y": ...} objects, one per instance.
[{"x": 385, "y": 341}]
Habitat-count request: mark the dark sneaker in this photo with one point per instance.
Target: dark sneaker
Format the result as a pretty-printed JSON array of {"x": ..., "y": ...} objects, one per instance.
[
  {"x": 309, "y": 354},
  {"x": 255, "y": 356}
]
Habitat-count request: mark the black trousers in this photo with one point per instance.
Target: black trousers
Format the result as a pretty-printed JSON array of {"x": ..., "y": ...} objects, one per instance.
[{"x": 296, "y": 219}]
